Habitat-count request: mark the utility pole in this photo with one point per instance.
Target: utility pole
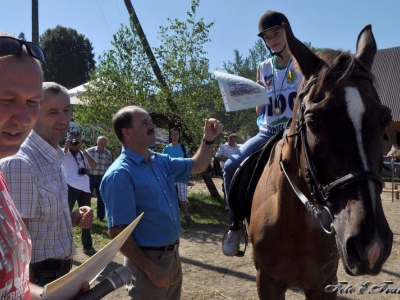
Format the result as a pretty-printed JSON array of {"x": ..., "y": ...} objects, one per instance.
[
  {"x": 35, "y": 21},
  {"x": 149, "y": 53},
  {"x": 157, "y": 72}
]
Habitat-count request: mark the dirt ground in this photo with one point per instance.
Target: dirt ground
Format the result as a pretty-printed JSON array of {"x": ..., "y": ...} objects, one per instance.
[{"x": 208, "y": 274}]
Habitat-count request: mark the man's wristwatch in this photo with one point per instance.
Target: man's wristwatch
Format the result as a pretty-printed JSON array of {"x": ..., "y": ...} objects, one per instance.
[{"x": 205, "y": 142}]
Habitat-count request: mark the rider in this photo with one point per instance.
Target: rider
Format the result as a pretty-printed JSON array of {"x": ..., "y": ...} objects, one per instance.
[{"x": 281, "y": 80}]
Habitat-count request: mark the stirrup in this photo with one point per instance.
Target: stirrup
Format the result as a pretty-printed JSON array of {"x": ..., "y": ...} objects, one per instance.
[{"x": 244, "y": 235}]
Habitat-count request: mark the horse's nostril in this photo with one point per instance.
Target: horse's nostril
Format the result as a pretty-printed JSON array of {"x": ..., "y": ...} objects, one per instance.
[{"x": 353, "y": 249}]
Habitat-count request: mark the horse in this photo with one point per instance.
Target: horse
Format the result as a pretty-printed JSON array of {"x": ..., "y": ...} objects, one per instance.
[{"x": 318, "y": 198}]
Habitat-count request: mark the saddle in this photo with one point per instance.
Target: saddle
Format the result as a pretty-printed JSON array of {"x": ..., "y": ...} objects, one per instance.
[{"x": 245, "y": 179}]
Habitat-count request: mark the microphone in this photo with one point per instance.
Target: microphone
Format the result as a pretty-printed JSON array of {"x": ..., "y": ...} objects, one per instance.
[{"x": 113, "y": 281}]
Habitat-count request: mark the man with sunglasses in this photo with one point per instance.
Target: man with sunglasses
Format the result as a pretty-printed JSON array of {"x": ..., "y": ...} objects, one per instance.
[
  {"x": 21, "y": 79},
  {"x": 39, "y": 189}
]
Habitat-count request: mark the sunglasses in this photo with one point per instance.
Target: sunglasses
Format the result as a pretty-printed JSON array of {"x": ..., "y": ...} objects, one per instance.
[{"x": 10, "y": 45}]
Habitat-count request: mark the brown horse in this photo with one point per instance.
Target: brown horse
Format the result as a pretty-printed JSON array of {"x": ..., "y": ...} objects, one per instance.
[{"x": 318, "y": 197}]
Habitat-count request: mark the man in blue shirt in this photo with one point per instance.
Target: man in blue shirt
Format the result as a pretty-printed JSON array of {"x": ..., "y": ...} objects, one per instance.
[{"x": 141, "y": 180}]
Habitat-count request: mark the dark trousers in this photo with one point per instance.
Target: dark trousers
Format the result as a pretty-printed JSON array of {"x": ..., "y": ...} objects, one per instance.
[
  {"x": 83, "y": 199},
  {"x": 50, "y": 269},
  {"x": 95, "y": 181}
]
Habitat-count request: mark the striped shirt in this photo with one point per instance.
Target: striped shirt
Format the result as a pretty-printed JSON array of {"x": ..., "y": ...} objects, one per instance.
[
  {"x": 226, "y": 150},
  {"x": 103, "y": 159},
  {"x": 38, "y": 186}
]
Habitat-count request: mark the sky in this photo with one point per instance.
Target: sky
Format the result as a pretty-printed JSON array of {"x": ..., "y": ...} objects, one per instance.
[{"x": 326, "y": 24}]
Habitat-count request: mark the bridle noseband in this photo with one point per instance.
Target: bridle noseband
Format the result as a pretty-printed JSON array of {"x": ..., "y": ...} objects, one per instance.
[{"x": 319, "y": 191}]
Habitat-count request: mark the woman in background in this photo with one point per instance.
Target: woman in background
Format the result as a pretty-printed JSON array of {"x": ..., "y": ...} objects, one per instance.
[{"x": 176, "y": 149}]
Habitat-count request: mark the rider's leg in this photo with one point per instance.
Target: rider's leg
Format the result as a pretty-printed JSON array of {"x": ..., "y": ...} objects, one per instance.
[
  {"x": 231, "y": 243},
  {"x": 245, "y": 150}
]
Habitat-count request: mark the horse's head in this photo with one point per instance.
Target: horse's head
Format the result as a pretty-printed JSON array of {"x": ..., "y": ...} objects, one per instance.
[{"x": 342, "y": 122}]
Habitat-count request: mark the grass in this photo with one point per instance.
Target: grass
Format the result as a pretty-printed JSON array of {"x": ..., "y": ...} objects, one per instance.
[
  {"x": 389, "y": 179},
  {"x": 204, "y": 209}
]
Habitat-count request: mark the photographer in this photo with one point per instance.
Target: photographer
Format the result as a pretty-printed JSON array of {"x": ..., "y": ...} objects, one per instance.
[{"x": 75, "y": 163}]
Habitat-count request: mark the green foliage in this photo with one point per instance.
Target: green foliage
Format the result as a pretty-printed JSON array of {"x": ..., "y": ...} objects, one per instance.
[
  {"x": 125, "y": 77},
  {"x": 69, "y": 56},
  {"x": 247, "y": 66},
  {"x": 21, "y": 36},
  {"x": 312, "y": 48}
]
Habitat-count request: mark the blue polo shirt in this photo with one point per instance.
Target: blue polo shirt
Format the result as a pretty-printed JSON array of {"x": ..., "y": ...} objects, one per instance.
[{"x": 132, "y": 186}]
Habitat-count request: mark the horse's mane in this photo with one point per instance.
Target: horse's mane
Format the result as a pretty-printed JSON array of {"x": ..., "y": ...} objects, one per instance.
[{"x": 338, "y": 66}]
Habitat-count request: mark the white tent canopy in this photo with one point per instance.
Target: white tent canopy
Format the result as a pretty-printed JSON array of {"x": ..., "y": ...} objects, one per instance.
[{"x": 74, "y": 92}]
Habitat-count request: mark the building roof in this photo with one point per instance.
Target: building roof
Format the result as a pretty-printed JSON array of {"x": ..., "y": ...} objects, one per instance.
[{"x": 386, "y": 69}]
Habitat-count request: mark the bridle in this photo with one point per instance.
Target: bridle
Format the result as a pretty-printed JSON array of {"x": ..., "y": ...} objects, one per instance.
[{"x": 319, "y": 191}]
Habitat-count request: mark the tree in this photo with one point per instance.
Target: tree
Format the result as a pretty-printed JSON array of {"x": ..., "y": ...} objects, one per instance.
[
  {"x": 125, "y": 77},
  {"x": 21, "y": 36},
  {"x": 69, "y": 56}
]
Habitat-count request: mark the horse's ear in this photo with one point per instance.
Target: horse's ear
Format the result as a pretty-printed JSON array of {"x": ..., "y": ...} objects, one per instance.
[
  {"x": 366, "y": 46},
  {"x": 307, "y": 61}
]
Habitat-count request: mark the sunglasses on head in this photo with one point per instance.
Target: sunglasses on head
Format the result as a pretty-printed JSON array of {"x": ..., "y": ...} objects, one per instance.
[{"x": 10, "y": 45}]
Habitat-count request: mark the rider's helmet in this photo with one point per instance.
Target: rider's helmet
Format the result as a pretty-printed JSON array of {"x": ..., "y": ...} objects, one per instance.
[{"x": 269, "y": 20}]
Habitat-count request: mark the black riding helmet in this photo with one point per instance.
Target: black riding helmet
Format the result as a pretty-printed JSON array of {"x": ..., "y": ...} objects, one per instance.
[{"x": 269, "y": 20}]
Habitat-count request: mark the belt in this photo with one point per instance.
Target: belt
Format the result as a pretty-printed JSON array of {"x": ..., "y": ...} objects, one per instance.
[
  {"x": 168, "y": 248},
  {"x": 53, "y": 264}
]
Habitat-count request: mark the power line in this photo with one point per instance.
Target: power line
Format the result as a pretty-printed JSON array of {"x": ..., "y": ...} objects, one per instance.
[{"x": 104, "y": 17}]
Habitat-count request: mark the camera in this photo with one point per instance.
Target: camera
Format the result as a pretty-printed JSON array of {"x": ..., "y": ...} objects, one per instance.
[
  {"x": 82, "y": 171},
  {"x": 74, "y": 142}
]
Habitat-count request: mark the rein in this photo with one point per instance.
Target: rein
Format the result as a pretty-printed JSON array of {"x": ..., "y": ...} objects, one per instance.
[{"x": 319, "y": 191}]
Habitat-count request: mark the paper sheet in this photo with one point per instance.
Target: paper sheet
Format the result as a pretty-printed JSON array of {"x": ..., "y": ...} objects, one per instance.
[
  {"x": 68, "y": 286},
  {"x": 240, "y": 93}
]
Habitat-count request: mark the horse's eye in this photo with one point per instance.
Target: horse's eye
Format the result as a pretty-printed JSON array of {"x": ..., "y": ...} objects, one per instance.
[
  {"x": 317, "y": 98},
  {"x": 386, "y": 116},
  {"x": 312, "y": 124}
]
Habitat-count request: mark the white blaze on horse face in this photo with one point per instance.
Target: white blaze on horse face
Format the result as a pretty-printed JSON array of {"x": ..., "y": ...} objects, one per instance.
[{"x": 356, "y": 110}]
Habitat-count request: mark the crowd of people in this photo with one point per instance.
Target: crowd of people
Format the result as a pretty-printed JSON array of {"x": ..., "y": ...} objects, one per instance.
[{"x": 40, "y": 182}]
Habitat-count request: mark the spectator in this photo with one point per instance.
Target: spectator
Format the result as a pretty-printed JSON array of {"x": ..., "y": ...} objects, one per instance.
[
  {"x": 141, "y": 180},
  {"x": 21, "y": 79},
  {"x": 224, "y": 152},
  {"x": 36, "y": 170},
  {"x": 76, "y": 160},
  {"x": 176, "y": 149},
  {"x": 21, "y": 82},
  {"x": 215, "y": 166},
  {"x": 103, "y": 158},
  {"x": 394, "y": 153}
]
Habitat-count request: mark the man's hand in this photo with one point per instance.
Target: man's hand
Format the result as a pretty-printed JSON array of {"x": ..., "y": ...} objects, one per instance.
[
  {"x": 222, "y": 158},
  {"x": 160, "y": 277},
  {"x": 67, "y": 145},
  {"x": 36, "y": 291},
  {"x": 84, "y": 289},
  {"x": 212, "y": 128},
  {"x": 82, "y": 217}
]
